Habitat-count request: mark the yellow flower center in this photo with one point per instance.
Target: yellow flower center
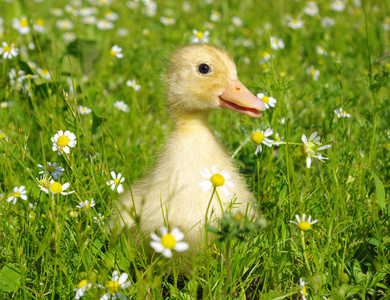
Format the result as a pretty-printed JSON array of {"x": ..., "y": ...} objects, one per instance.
[
  {"x": 44, "y": 72},
  {"x": 7, "y": 48},
  {"x": 82, "y": 283},
  {"x": 309, "y": 147},
  {"x": 113, "y": 287},
  {"x": 295, "y": 21},
  {"x": 63, "y": 140},
  {"x": 112, "y": 52},
  {"x": 199, "y": 34},
  {"x": 304, "y": 226},
  {"x": 265, "y": 99},
  {"x": 51, "y": 168},
  {"x": 304, "y": 292},
  {"x": 56, "y": 187},
  {"x": 313, "y": 71},
  {"x": 265, "y": 53},
  {"x": 43, "y": 183},
  {"x": 277, "y": 138},
  {"x": 74, "y": 214},
  {"x": 2, "y": 136},
  {"x": 40, "y": 22},
  {"x": 87, "y": 205},
  {"x": 17, "y": 195},
  {"x": 344, "y": 112},
  {"x": 238, "y": 217},
  {"x": 117, "y": 181},
  {"x": 217, "y": 180},
  {"x": 23, "y": 22},
  {"x": 168, "y": 241},
  {"x": 258, "y": 137}
]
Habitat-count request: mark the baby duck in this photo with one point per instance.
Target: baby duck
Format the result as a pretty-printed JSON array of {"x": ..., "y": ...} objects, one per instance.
[{"x": 201, "y": 78}]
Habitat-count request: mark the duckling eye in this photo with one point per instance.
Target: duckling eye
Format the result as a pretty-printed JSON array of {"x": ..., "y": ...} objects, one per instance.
[{"x": 204, "y": 69}]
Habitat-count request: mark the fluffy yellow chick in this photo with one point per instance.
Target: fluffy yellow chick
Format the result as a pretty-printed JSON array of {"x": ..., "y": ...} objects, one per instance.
[{"x": 201, "y": 79}]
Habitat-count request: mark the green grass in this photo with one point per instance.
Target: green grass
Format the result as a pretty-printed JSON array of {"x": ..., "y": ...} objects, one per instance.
[{"x": 45, "y": 252}]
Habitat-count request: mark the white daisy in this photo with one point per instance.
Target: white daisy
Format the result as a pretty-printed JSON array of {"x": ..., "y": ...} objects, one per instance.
[
  {"x": 44, "y": 73},
  {"x": 265, "y": 56},
  {"x": 302, "y": 224},
  {"x": 19, "y": 192},
  {"x": 70, "y": 9},
  {"x": 8, "y": 51},
  {"x": 114, "y": 286},
  {"x": 150, "y": 8},
  {"x": 215, "y": 16},
  {"x": 121, "y": 105},
  {"x": 260, "y": 137},
  {"x": 3, "y": 136},
  {"x": 169, "y": 241},
  {"x": 86, "y": 204},
  {"x": 83, "y": 110},
  {"x": 268, "y": 101},
  {"x": 215, "y": 178},
  {"x": 56, "y": 12},
  {"x": 99, "y": 219},
  {"x": 311, "y": 8},
  {"x": 167, "y": 21},
  {"x": 338, "y": 5},
  {"x": 89, "y": 20},
  {"x": 5, "y": 105},
  {"x": 55, "y": 187},
  {"x": 276, "y": 43},
  {"x": 81, "y": 288},
  {"x": 295, "y": 24},
  {"x": 133, "y": 84},
  {"x": 65, "y": 24},
  {"x": 87, "y": 11},
  {"x": 327, "y": 22},
  {"x": 69, "y": 37},
  {"x": 62, "y": 141},
  {"x": 39, "y": 25},
  {"x": 51, "y": 169},
  {"x": 21, "y": 25},
  {"x": 311, "y": 148},
  {"x": 278, "y": 139},
  {"x": 111, "y": 16},
  {"x": 199, "y": 36},
  {"x": 237, "y": 21},
  {"x": 303, "y": 289},
  {"x": 104, "y": 24},
  {"x": 116, "y": 183},
  {"x": 321, "y": 50},
  {"x": 313, "y": 72},
  {"x": 341, "y": 113}
]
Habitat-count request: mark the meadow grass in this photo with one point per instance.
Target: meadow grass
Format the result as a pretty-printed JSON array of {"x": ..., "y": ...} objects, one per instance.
[{"x": 49, "y": 246}]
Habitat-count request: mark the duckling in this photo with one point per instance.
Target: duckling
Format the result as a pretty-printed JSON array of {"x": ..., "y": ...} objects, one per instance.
[{"x": 201, "y": 78}]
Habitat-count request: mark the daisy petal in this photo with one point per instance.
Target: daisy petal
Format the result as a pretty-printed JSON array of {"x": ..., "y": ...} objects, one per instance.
[{"x": 182, "y": 246}]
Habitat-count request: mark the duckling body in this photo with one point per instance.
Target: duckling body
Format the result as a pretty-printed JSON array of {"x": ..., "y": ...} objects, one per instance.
[{"x": 170, "y": 193}]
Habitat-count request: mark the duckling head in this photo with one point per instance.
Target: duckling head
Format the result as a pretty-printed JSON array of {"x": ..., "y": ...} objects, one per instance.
[{"x": 203, "y": 78}]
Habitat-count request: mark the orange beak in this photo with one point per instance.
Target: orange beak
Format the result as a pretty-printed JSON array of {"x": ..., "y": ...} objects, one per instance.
[{"x": 238, "y": 98}]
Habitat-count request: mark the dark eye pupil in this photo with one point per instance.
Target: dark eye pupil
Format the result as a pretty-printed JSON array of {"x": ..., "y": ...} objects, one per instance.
[{"x": 204, "y": 69}]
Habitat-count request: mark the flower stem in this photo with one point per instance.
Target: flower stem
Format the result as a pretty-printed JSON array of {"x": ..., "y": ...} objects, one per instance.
[{"x": 304, "y": 253}]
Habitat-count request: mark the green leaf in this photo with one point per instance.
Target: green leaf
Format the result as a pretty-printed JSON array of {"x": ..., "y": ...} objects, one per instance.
[
  {"x": 373, "y": 241},
  {"x": 378, "y": 276},
  {"x": 282, "y": 193},
  {"x": 380, "y": 191},
  {"x": 357, "y": 272},
  {"x": 9, "y": 279}
]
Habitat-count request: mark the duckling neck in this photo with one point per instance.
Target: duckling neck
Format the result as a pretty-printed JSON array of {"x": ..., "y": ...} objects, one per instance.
[{"x": 192, "y": 121}]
